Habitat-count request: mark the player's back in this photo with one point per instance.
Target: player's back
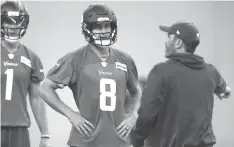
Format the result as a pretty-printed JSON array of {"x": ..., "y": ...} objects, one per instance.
[
  {"x": 16, "y": 76},
  {"x": 100, "y": 94}
]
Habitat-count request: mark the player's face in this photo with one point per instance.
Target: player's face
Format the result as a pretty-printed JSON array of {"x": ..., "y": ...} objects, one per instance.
[
  {"x": 102, "y": 30},
  {"x": 12, "y": 32},
  {"x": 170, "y": 45}
]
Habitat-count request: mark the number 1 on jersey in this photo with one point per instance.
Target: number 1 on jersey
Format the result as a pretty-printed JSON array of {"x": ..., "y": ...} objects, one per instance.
[
  {"x": 104, "y": 94},
  {"x": 9, "y": 83}
]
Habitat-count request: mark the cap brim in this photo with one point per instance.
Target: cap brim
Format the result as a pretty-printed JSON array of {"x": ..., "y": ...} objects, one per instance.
[{"x": 164, "y": 28}]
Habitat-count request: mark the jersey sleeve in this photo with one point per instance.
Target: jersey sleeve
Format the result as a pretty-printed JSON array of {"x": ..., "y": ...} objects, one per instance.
[
  {"x": 132, "y": 78},
  {"x": 37, "y": 74},
  {"x": 64, "y": 71}
]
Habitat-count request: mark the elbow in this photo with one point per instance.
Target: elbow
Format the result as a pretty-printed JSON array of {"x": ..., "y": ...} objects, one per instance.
[{"x": 136, "y": 93}]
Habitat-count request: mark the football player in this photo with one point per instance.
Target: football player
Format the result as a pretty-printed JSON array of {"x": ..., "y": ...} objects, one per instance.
[
  {"x": 21, "y": 74},
  {"x": 98, "y": 76}
]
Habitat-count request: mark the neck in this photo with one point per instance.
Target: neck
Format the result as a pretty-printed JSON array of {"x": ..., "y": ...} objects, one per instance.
[
  {"x": 10, "y": 45},
  {"x": 181, "y": 51},
  {"x": 101, "y": 49}
]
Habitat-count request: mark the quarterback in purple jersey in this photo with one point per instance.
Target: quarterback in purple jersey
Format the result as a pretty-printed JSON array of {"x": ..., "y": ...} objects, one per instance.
[
  {"x": 21, "y": 74},
  {"x": 98, "y": 76}
]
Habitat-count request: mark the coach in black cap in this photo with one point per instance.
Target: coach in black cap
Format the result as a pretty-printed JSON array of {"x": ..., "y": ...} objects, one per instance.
[
  {"x": 177, "y": 103},
  {"x": 182, "y": 37}
]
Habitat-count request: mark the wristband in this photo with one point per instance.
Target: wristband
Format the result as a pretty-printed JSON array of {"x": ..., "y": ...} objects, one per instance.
[{"x": 45, "y": 136}]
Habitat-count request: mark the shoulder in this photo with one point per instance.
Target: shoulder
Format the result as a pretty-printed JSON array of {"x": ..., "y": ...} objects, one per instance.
[
  {"x": 74, "y": 56},
  {"x": 79, "y": 51},
  {"x": 29, "y": 51},
  {"x": 160, "y": 67},
  {"x": 30, "y": 57},
  {"x": 123, "y": 56},
  {"x": 166, "y": 66},
  {"x": 210, "y": 66},
  {"x": 213, "y": 70}
]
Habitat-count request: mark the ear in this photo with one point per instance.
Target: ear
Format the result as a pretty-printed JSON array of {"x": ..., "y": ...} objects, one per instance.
[{"x": 178, "y": 43}]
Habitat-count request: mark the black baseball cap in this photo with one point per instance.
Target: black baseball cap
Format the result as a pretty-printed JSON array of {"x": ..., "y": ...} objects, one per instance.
[{"x": 186, "y": 31}]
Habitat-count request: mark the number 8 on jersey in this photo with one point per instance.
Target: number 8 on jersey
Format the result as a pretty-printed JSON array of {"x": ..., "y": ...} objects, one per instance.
[{"x": 104, "y": 94}]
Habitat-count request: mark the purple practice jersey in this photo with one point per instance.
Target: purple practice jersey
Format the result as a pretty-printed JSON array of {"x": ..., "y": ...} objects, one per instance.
[
  {"x": 99, "y": 92},
  {"x": 18, "y": 70}
]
